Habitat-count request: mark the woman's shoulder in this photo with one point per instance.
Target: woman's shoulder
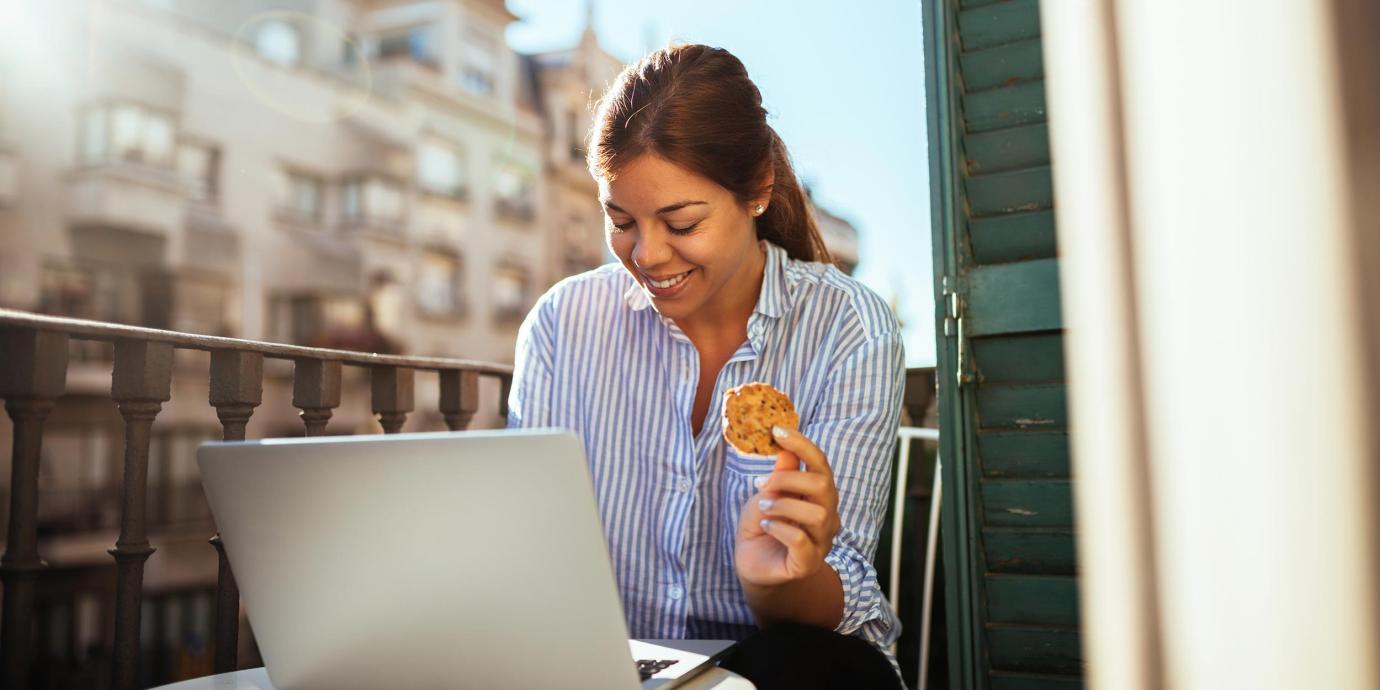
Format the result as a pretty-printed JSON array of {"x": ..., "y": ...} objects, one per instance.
[
  {"x": 583, "y": 295},
  {"x": 857, "y": 303}
]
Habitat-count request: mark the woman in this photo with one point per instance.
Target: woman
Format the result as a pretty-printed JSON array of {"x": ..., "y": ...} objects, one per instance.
[{"x": 723, "y": 280}]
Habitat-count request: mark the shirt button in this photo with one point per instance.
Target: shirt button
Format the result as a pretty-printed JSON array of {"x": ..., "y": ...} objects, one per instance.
[
  {"x": 675, "y": 592},
  {"x": 684, "y": 484}
]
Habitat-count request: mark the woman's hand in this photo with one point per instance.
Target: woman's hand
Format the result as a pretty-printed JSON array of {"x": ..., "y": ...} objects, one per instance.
[{"x": 786, "y": 529}]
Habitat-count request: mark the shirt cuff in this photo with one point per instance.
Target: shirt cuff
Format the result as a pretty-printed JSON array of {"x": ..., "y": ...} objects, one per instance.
[{"x": 863, "y": 602}]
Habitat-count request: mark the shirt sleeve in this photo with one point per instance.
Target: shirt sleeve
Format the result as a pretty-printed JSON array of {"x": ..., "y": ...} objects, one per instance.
[
  {"x": 531, "y": 394},
  {"x": 855, "y": 425}
]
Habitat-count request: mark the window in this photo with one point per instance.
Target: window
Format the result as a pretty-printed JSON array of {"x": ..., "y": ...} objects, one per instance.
[
  {"x": 199, "y": 166},
  {"x": 352, "y": 201},
  {"x": 86, "y": 290},
  {"x": 342, "y": 314},
  {"x": 417, "y": 43},
  {"x": 203, "y": 305},
  {"x": 441, "y": 169},
  {"x": 318, "y": 320},
  {"x": 371, "y": 198},
  {"x": 298, "y": 193},
  {"x": 95, "y": 140},
  {"x": 388, "y": 303},
  {"x": 511, "y": 286},
  {"x": 278, "y": 41},
  {"x": 127, "y": 132},
  {"x": 515, "y": 187},
  {"x": 478, "y": 63},
  {"x": 439, "y": 284}
]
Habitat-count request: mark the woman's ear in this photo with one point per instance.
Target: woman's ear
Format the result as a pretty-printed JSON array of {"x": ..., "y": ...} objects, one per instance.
[{"x": 766, "y": 183}]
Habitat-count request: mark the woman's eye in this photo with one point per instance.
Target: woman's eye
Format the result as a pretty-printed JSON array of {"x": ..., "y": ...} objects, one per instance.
[
  {"x": 682, "y": 231},
  {"x": 620, "y": 227}
]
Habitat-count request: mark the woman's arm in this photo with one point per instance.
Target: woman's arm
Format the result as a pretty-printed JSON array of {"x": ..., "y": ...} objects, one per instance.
[
  {"x": 529, "y": 398},
  {"x": 829, "y": 512}
]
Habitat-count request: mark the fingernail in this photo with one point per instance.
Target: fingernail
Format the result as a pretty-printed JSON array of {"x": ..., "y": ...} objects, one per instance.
[
  {"x": 779, "y": 432},
  {"x": 766, "y": 524},
  {"x": 765, "y": 504},
  {"x": 757, "y": 482}
]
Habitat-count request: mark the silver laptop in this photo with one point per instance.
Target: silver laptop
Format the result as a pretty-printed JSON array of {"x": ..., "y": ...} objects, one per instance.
[{"x": 437, "y": 560}]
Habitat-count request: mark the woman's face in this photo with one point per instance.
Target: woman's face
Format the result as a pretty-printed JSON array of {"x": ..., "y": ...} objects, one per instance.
[{"x": 686, "y": 240}]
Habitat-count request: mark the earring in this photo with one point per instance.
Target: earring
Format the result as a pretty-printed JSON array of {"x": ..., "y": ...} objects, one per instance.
[{"x": 758, "y": 209}]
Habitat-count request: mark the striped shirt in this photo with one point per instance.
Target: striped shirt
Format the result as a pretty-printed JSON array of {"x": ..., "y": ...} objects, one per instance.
[{"x": 594, "y": 357}]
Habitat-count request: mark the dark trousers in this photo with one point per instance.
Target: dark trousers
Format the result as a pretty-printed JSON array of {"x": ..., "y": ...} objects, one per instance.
[{"x": 803, "y": 657}]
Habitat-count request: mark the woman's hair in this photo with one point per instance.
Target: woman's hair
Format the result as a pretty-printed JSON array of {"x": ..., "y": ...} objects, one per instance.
[{"x": 695, "y": 106}]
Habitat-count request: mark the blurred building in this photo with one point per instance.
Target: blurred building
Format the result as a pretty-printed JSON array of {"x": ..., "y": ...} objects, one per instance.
[
  {"x": 839, "y": 235},
  {"x": 565, "y": 85},
  {"x": 354, "y": 174}
]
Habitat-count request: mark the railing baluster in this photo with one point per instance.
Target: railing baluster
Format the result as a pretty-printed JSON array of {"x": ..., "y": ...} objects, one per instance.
[
  {"x": 236, "y": 389},
  {"x": 503, "y": 397},
  {"x": 34, "y": 375},
  {"x": 316, "y": 392},
  {"x": 459, "y": 397},
  {"x": 141, "y": 383},
  {"x": 392, "y": 396}
]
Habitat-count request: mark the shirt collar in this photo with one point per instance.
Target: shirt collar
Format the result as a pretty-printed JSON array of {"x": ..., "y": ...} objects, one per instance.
[{"x": 773, "y": 301}]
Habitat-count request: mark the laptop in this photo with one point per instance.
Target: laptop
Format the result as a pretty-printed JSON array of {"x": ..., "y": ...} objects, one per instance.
[{"x": 430, "y": 560}]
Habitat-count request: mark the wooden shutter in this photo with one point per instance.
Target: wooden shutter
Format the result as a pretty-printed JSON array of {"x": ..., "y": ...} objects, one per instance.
[{"x": 1008, "y": 520}]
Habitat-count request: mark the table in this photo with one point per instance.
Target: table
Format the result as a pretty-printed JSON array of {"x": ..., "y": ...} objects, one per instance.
[{"x": 257, "y": 679}]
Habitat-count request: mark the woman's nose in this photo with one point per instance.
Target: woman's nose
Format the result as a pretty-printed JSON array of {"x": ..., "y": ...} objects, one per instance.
[{"x": 651, "y": 250}]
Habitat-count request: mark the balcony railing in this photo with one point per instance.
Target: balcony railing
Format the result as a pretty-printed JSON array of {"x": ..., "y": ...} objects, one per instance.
[{"x": 33, "y": 370}]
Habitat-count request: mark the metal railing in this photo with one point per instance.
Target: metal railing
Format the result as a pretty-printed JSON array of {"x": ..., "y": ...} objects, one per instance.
[
  {"x": 906, "y": 435},
  {"x": 33, "y": 370}
]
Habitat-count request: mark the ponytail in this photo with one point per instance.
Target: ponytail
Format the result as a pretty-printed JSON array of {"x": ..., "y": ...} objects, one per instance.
[{"x": 789, "y": 220}]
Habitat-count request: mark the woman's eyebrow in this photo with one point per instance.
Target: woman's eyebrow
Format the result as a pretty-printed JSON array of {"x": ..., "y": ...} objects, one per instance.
[{"x": 664, "y": 209}]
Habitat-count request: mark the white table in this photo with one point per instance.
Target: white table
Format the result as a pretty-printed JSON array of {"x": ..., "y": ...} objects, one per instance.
[{"x": 257, "y": 679}]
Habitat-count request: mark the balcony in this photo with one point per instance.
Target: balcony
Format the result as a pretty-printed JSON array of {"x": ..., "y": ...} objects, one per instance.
[
  {"x": 151, "y": 505},
  {"x": 135, "y": 196}
]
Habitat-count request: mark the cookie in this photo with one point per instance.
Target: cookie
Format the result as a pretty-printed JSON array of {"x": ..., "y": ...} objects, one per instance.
[{"x": 750, "y": 411}]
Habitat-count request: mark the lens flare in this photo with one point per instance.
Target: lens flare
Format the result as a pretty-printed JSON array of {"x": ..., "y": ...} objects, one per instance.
[{"x": 271, "y": 44}]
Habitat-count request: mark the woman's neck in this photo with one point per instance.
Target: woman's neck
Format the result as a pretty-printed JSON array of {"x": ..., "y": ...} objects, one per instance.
[{"x": 724, "y": 323}]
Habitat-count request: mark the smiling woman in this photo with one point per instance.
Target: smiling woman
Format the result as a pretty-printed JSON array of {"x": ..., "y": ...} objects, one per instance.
[{"x": 723, "y": 281}]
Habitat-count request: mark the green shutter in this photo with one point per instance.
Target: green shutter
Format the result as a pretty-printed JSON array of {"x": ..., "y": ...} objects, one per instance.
[{"x": 1008, "y": 520}]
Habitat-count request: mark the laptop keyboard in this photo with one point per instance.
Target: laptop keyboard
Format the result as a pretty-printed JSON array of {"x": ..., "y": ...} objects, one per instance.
[{"x": 646, "y": 668}]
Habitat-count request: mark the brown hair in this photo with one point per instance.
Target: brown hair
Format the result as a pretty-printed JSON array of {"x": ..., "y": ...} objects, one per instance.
[{"x": 695, "y": 106}]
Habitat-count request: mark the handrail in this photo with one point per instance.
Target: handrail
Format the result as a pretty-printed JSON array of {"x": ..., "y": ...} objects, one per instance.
[{"x": 100, "y": 330}]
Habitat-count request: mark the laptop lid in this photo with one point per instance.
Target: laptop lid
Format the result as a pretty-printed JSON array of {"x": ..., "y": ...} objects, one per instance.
[{"x": 434, "y": 560}]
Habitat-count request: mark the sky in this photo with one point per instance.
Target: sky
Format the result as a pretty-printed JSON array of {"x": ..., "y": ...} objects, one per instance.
[{"x": 842, "y": 84}]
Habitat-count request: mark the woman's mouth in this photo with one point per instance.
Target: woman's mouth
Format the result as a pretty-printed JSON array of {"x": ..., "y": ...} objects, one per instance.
[{"x": 668, "y": 286}]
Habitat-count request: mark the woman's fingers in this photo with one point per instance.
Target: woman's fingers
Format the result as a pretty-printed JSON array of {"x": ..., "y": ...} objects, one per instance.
[
  {"x": 811, "y": 517},
  {"x": 803, "y": 448},
  {"x": 814, "y": 488},
  {"x": 800, "y": 548},
  {"x": 786, "y": 460}
]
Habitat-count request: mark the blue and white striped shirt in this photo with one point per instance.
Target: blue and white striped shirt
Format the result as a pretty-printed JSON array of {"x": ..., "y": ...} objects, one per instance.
[{"x": 594, "y": 357}]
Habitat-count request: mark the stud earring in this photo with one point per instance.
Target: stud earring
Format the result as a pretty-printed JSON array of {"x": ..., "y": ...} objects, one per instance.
[{"x": 758, "y": 209}]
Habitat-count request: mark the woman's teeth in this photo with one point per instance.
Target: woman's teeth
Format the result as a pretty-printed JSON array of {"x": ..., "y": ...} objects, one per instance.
[{"x": 671, "y": 282}]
